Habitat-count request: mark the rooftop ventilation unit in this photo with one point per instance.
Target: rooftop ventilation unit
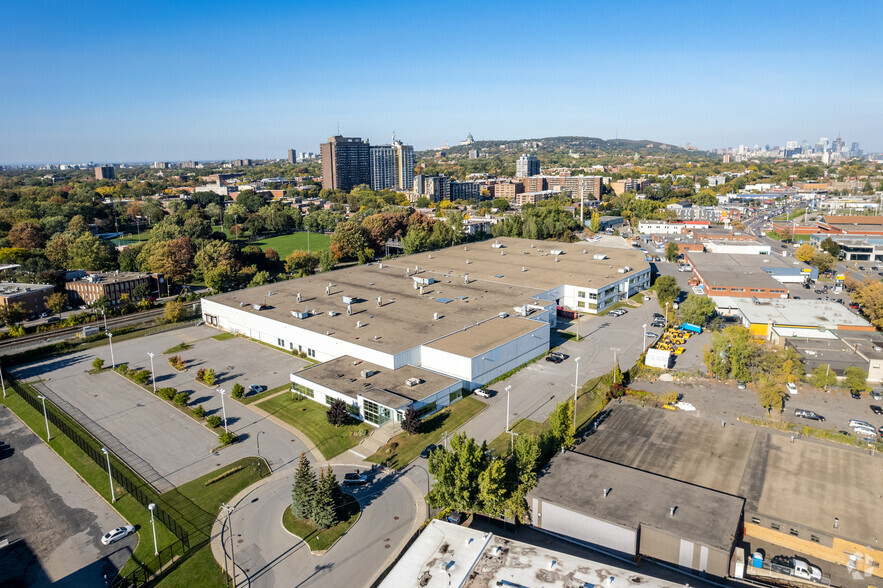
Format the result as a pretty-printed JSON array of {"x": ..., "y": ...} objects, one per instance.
[
  {"x": 348, "y": 300},
  {"x": 411, "y": 382},
  {"x": 557, "y": 252},
  {"x": 599, "y": 256},
  {"x": 300, "y": 315},
  {"x": 421, "y": 281},
  {"x": 257, "y": 306},
  {"x": 331, "y": 313},
  {"x": 502, "y": 315},
  {"x": 497, "y": 245},
  {"x": 367, "y": 374}
]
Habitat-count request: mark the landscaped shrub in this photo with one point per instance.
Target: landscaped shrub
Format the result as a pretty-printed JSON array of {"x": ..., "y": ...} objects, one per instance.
[
  {"x": 182, "y": 398},
  {"x": 209, "y": 377},
  {"x": 213, "y": 421},
  {"x": 167, "y": 393},
  {"x": 122, "y": 369},
  {"x": 337, "y": 414},
  {"x": 140, "y": 377},
  {"x": 97, "y": 363},
  {"x": 200, "y": 374},
  {"x": 223, "y": 475},
  {"x": 226, "y": 438},
  {"x": 238, "y": 390},
  {"x": 198, "y": 411},
  {"x": 176, "y": 362}
]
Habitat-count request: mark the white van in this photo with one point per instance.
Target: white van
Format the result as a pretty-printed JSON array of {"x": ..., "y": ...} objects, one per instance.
[{"x": 791, "y": 388}]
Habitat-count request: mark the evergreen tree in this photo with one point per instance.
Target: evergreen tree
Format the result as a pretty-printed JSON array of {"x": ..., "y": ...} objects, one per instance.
[
  {"x": 336, "y": 492},
  {"x": 324, "y": 511},
  {"x": 411, "y": 422},
  {"x": 303, "y": 492}
]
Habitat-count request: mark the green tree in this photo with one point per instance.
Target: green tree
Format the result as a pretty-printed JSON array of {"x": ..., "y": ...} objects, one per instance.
[
  {"x": 220, "y": 279},
  {"x": 337, "y": 413},
  {"x": 526, "y": 455},
  {"x": 667, "y": 289},
  {"x": 260, "y": 278},
  {"x": 823, "y": 376},
  {"x": 561, "y": 424},
  {"x": 830, "y": 246},
  {"x": 595, "y": 223},
  {"x": 456, "y": 474},
  {"x": 671, "y": 252},
  {"x": 423, "y": 202},
  {"x": 824, "y": 261},
  {"x": 411, "y": 421},
  {"x": 324, "y": 511},
  {"x": 88, "y": 252},
  {"x": 303, "y": 491},
  {"x": 12, "y": 314},
  {"x": 302, "y": 263},
  {"x": 492, "y": 491},
  {"x": 856, "y": 379},
  {"x": 56, "y": 302},
  {"x": 97, "y": 363},
  {"x": 697, "y": 310},
  {"x": 175, "y": 311},
  {"x": 238, "y": 391},
  {"x": 348, "y": 240},
  {"x": 771, "y": 396},
  {"x": 142, "y": 291},
  {"x": 327, "y": 260}
]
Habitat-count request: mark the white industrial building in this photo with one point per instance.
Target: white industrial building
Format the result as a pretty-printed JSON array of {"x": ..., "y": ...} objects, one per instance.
[
  {"x": 653, "y": 227},
  {"x": 469, "y": 313},
  {"x": 738, "y": 247}
]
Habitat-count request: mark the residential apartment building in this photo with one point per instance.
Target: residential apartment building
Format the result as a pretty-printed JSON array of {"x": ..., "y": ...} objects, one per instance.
[
  {"x": 526, "y": 166},
  {"x": 112, "y": 285},
  {"x": 535, "y": 184},
  {"x": 32, "y": 297},
  {"x": 104, "y": 172},
  {"x": 383, "y": 167},
  {"x": 292, "y": 156},
  {"x": 583, "y": 187},
  {"x": 436, "y": 188},
  {"x": 465, "y": 191},
  {"x": 346, "y": 163},
  {"x": 404, "y": 166},
  {"x": 508, "y": 190},
  {"x": 532, "y": 197},
  {"x": 620, "y": 187}
]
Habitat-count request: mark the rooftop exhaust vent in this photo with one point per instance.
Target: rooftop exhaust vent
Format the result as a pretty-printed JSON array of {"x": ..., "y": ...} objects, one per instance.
[{"x": 411, "y": 382}]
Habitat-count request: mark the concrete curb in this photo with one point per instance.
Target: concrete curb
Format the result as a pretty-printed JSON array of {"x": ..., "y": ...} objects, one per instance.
[{"x": 317, "y": 456}]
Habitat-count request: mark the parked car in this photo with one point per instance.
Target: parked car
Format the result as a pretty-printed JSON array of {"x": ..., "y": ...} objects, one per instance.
[
  {"x": 859, "y": 423},
  {"x": 355, "y": 479},
  {"x": 117, "y": 534},
  {"x": 855, "y": 394},
  {"x": 876, "y": 394},
  {"x": 652, "y": 335},
  {"x": 854, "y": 305},
  {"x": 876, "y": 409},
  {"x": 254, "y": 388},
  {"x": 791, "y": 388},
  {"x": 426, "y": 452},
  {"x": 483, "y": 392},
  {"x": 808, "y": 414},
  {"x": 555, "y": 357},
  {"x": 658, "y": 315}
]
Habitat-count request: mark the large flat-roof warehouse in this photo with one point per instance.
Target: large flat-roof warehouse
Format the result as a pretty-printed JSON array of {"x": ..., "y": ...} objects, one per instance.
[{"x": 471, "y": 312}]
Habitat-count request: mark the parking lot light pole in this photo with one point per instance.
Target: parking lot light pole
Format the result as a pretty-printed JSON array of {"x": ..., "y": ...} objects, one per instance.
[
  {"x": 666, "y": 315},
  {"x": 3, "y": 382},
  {"x": 45, "y": 417},
  {"x": 643, "y": 341},
  {"x": 105, "y": 320},
  {"x": 110, "y": 340},
  {"x": 152, "y": 373},
  {"x": 151, "y": 507},
  {"x": 575, "y": 390},
  {"x": 508, "y": 391},
  {"x": 223, "y": 408},
  {"x": 113, "y": 497},
  {"x": 230, "y": 509}
]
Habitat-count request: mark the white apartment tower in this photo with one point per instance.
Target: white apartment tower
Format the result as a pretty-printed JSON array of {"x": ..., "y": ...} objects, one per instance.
[
  {"x": 527, "y": 166},
  {"x": 383, "y": 167}
]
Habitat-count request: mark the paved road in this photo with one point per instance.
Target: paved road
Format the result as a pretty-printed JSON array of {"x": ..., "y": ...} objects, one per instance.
[
  {"x": 537, "y": 388},
  {"x": 175, "y": 446},
  {"x": 269, "y": 556},
  {"x": 52, "y": 519}
]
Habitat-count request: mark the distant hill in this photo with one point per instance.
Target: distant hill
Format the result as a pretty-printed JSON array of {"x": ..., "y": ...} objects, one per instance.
[{"x": 576, "y": 144}]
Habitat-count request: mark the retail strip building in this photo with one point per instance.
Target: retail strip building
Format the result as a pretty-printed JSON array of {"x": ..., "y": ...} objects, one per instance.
[{"x": 469, "y": 313}]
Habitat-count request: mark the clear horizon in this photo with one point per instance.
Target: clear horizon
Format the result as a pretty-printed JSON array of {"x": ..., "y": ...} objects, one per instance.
[{"x": 111, "y": 83}]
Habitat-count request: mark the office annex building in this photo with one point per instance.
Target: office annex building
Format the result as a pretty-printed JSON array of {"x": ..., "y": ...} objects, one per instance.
[{"x": 416, "y": 330}]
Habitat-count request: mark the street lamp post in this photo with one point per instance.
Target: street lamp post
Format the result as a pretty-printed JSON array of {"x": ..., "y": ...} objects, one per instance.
[
  {"x": 3, "y": 382},
  {"x": 152, "y": 373},
  {"x": 223, "y": 408},
  {"x": 512, "y": 441},
  {"x": 113, "y": 497},
  {"x": 575, "y": 390},
  {"x": 151, "y": 507},
  {"x": 110, "y": 340},
  {"x": 666, "y": 315},
  {"x": 258, "y": 439},
  {"x": 508, "y": 391},
  {"x": 45, "y": 417},
  {"x": 643, "y": 341},
  {"x": 230, "y": 509},
  {"x": 105, "y": 319}
]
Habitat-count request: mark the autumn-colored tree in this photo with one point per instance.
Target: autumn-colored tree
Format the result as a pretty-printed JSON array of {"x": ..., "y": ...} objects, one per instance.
[
  {"x": 348, "y": 240},
  {"x": 213, "y": 255},
  {"x": 56, "y": 302},
  {"x": 870, "y": 296},
  {"x": 173, "y": 258},
  {"x": 27, "y": 235},
  {"x": 301, "y": 263},
  {"x": 805, "y": 252}
]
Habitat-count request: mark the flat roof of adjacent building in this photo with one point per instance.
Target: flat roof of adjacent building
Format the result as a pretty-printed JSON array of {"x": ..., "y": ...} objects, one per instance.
[
  {"x": 484, "y": 337},
  {"x": 18, "y": 288},
  {"x": 741, "y": 270},
  {"x": 786, "y": 481},
  {"x": 577, "y": 482},
  {"x": 386, "y": 386},
  {"x": 109, "y": 277},
  {"x": 482, "y": 559},
  {"x": 788, "y": 311},
  {"x": 512, "y": 274}
]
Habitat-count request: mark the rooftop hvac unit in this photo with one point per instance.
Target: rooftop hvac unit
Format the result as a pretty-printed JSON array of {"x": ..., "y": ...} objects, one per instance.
[
  {"x": 502, "y": 315},
  {"x": 497, "y": 245},
  {"x": 522, "y": 310},
  {"x": 348, "y": 300},
  {"x": 422, "y": 281},
  {"x": 557, "y": 252},
  {"x": 367, "y": 374},
  {"x": 257, "y": 306},
  {"x": 300, "y": 314},
  {"x": 435, "y": 316},
  {"x": 332, "y": 313},
  {"x": 411, "y": 382},
  {"x": 599, "y": 256}
]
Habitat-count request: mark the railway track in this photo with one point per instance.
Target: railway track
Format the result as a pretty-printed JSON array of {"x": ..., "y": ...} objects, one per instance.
[{"x": 64, "y": 333}]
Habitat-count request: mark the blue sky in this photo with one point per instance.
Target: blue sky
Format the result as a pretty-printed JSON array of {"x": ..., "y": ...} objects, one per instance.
[{"x": 139, "y": 81}]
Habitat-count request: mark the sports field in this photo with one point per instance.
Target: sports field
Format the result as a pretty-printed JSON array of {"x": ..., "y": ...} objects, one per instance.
[{"x": 285, "y": 244}]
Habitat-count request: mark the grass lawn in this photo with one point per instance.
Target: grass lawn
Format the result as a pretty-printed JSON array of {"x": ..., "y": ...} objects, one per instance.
[
  {"x": 501, "y": 445},
  {"x": 201, "y": 569},
  {"x": 348, "y": 514},
  {"x": 249, "y": 398},
  {"x": 285, "y": 244},
  {"x": 177, "y": 348},
  {"x": 309, "y": 417},
  {"x": 223, "y": 336},
  {"x": 404, "y": 448}
]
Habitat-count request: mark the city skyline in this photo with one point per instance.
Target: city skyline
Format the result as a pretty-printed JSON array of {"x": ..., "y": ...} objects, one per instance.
[{"x": 120, "y": 83}]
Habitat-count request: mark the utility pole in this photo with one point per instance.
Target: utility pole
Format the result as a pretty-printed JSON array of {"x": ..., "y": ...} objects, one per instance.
[
  {"x": 615, "y": 349},
  {"x": 230, "y": 509}
]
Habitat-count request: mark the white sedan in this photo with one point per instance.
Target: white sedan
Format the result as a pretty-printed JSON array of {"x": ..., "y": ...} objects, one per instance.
[{"x": 117, "y": 534}]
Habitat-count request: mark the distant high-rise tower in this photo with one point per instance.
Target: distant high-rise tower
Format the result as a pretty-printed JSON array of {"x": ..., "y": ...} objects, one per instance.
[
  {"x": 404, "y": 155},
  {"x": 104, "y": 172},
  {"x": 346, "y": 163},
  {"x": 526, "y": 166},
  {"x": 383, "y": 167},
  {"x": 292, "y": 156}
]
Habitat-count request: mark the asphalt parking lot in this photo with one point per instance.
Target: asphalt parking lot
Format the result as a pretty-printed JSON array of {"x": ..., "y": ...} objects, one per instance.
[
  {"x": 174, "y": 445},
  {"x": 51, "y": 518}
]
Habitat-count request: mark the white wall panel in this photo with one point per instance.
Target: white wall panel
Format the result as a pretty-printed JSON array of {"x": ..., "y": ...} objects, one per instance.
[{"x": 584, "y": 528}]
